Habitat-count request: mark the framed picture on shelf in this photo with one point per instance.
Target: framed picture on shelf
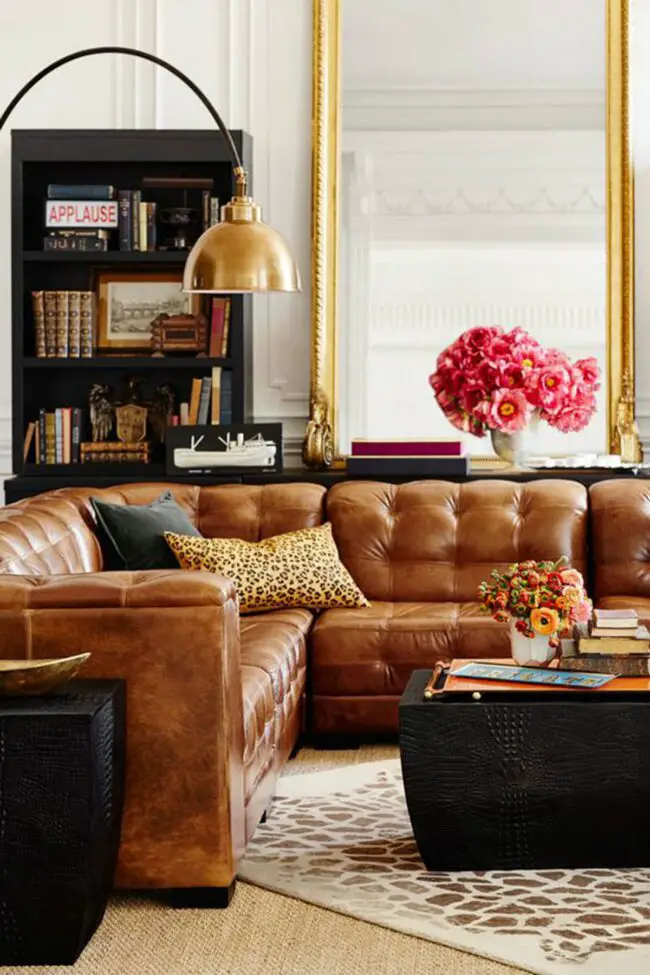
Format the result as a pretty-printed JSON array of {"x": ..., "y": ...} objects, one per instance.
[
  {"x": 227, "y": 448},
  {"x": 129, "y": 302}
]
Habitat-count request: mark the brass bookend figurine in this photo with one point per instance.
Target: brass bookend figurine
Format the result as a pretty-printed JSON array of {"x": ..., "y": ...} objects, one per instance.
[{"x": 100, "y": 402}]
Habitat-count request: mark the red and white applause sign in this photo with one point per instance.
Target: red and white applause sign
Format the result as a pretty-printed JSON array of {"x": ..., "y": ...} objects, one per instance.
[{"x": 81, "y": 213}]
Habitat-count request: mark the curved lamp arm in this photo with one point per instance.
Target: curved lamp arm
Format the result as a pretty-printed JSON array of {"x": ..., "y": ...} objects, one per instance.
[
  {"x": 87, "y": 52},
  {"x": 240, "y": 253}
]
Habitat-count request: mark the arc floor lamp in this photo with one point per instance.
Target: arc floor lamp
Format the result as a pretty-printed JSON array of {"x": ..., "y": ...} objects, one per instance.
[{"x": 239, "y": 254}]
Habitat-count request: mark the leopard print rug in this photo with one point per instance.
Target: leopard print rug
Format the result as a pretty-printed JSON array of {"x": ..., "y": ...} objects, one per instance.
[{"x": 342, "y": 839}]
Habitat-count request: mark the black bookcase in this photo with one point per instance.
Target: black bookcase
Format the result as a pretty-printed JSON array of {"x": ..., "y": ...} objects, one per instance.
[{"x": 122, "y": 159}]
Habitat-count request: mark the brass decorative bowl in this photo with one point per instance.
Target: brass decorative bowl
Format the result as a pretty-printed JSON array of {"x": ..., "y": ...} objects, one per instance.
[{"x": 38, "y": 676}]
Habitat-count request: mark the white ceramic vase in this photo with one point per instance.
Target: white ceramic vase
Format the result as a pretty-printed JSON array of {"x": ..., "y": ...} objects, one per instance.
[{"x": 530, "y": 651}]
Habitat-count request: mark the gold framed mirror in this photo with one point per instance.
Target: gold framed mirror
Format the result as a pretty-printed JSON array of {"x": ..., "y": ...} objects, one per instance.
[{"x": 323, "y": 442}]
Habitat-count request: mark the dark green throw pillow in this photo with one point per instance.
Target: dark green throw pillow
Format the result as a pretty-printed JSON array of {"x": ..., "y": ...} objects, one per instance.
[{"x": 131, "y": 535}]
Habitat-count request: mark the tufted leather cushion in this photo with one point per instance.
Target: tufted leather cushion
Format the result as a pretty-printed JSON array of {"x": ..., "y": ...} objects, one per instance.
[
  {"x": 273, "y": 665},
  {"x": 255, "y": 512},
  {"x": 275, "y": 643},
  {"x": 433, "y": 541},
  {"x": 47, "y": 535},
  {"x": 620, "y": 531},
  {"x": 54, "y": 533},
  {"x": 374, "y": 650}
]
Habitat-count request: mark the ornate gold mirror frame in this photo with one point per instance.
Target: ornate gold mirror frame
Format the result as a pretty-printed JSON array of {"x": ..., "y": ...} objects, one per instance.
[{"x": 320, "y": 439}]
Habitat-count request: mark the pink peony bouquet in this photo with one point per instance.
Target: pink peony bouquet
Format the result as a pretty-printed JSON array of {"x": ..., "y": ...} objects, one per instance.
[{"x": 489, "y": 379}]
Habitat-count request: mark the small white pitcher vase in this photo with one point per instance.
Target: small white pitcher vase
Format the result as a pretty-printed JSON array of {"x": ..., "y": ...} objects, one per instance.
[{"x": 530, "y": 651}]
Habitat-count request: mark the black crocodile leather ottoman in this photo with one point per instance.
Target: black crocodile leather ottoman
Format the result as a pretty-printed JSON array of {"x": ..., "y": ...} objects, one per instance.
[
  {"x": 61, "y": 785},
  {"x": 527, "y": 781}
]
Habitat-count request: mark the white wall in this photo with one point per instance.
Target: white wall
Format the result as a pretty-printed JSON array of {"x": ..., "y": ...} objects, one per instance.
[{"x": 253, "y": 60}]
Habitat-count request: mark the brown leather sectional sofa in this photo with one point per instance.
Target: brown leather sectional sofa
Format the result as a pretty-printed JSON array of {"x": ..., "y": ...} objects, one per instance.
[{"x": 216, "y": 704}]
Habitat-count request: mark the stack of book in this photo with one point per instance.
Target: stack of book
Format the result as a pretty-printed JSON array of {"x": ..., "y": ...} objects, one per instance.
[
  {"x": 55, "y": 436},
  {"x": 113, "y": 452},
  {"x": 411, "y": 458},
  {"x": 85, "y": 216},
  {"x": 79, "y": 217},
  {"x": 64, "y": 324},
  {"x": 613, "y": 642},
  {"x": 210, "y": 401}
]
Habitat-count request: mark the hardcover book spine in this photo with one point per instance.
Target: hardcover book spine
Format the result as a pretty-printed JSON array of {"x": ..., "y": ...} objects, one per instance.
[
  {"x": 49, "y": 300},
  {"x": 50, "y": 438},
  {"x": 205, "y": 209},
  {"x": 38, "y": 308},
  {"x": 42, "y": 422},
  {"x": 216, "y": 327},
  {"x": 195, "y": 398},
  {"x": 407, "y": 448},
  {"x": 62, "y": 324},
  {"x": 58, "y": 436},
  {"x": 27, "y": 443},
  {"x": 60, "y": 214},
  {"x": 125, "y": 235},
  {"x": 184, "y": 414},
  {"x": 136, "y": 199},
  {"x": 75, "y": 244},
  {"x": 142, "y": 211},
  {"x": 226, "y": 328},
  {"x": 75, "y": 191},
  {"x": 87, "y": 326},
  {"x": 74, "y": 324},
  {"x": 226, "y": 396},
  {"x": 76, "y": 435},
  {"x": 151, "y": 227},
  {"x": 66, "y": 422},
  {"x": 204, "y": 401},
  {"x": 217, "y": 377},
  {"x": 215, "y": 213},
  {"x": 79, "y": 232},
  {"x": 634, "y": 666},
  {"x": 116, "y": 447},
  {"x": 408, "y": 466}
]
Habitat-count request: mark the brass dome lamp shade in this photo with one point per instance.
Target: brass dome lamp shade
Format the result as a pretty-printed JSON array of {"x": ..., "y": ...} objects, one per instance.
[{"x": 239, "y": 254}]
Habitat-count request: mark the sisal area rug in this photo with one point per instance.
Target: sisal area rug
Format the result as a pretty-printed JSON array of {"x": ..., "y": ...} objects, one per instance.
[{"x": 342, "y": 839}]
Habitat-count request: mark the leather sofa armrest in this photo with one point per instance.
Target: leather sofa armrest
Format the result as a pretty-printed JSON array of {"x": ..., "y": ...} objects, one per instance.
[
  {"x": 174, "y": 637},
  {"x": 115, "y": 590}
]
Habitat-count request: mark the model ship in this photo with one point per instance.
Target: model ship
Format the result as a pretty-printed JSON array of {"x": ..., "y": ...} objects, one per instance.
[{"x": 253, "y": 452}]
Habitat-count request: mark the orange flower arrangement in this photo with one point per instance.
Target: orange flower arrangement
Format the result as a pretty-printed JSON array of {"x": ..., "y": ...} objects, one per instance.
[{"x": 543, "y": 598}]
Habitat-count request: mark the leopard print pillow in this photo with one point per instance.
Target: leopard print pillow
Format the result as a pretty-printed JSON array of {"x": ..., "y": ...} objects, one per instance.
[{"x": 300, "y": 568}]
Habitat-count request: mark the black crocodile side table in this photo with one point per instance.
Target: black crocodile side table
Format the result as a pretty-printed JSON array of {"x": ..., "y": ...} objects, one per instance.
[
  {"x": 527, "y": 781},
  {"x": 61, "y": 790}
]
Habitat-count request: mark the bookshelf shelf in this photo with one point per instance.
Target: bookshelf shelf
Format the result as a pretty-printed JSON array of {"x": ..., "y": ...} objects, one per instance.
[
  {"x": 157, "y": 164},
  {"x": 127, "y": 363},
  {"x": 106, "y": 257},
  {"x": 144, "y": 472}
]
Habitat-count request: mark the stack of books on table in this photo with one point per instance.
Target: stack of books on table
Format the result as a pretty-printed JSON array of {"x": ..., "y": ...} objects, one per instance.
[
  {"x": 411, "y": 458},
  {"x": 613, "y": 642}
]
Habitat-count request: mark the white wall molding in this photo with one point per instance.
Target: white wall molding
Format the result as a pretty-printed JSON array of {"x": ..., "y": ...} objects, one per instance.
[
  {"x": 280, "y": 107},
  {"x": 448, "y": 109},
  {"x": 124, "y": 67},
  {"x": 244, "y": 60}
]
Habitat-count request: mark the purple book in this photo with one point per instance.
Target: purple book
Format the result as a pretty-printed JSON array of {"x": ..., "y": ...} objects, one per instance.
[{"x": 407, "y": 448}]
